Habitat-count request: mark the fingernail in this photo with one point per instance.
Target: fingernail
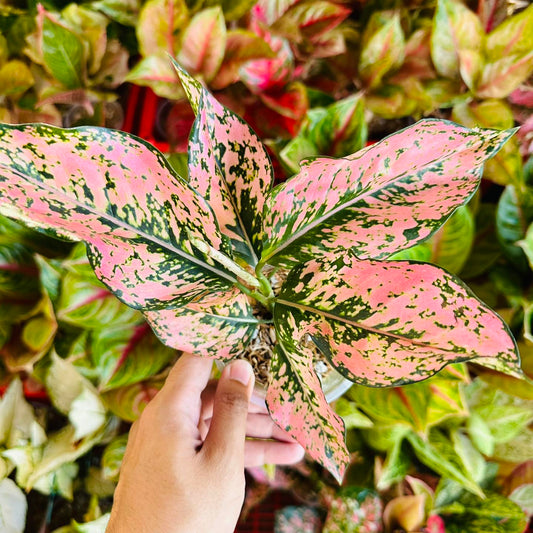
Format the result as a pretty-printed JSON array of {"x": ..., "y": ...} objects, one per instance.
[{"x": 241, "y": 371}]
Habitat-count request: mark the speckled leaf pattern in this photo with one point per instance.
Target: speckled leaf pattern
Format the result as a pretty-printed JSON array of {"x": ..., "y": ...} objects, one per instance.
[
  {"x": 297, "y": 404},
  {"x": 392, "y": 322},
  {"x": 229, "y": 167},
  {"x": 217, "y": 330},
  {"x": 385, "y": 198},
  {"x": 118, "y": 194}
]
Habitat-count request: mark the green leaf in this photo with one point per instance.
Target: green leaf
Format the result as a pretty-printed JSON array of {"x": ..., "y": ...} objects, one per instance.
[
  {"x": 438, "y": 454},
  {"x": 518, "y": 450},
  {"x": 470, "y": 457},
  {"x": 523, "y": 497},
  {"x": 480, "y": 434},
  {"x": 296, "y": 150},
  {"x": 500, "y": 78},
  {"x": 123, "y": 11},
  {"x": 159, "y": 26},
  {"x": 419, "y": 405},
  {"x": 395, "y": 467},
  {"x": 112, "y": 457},
  {"x": 456, "y": 30},
  {"x": 506, "y": 166},
  {"x": 89, "y": 305},
  {"x": 63, "y": 52},
  {"x": 527, "y": 244},
  {"x": 129, "y": 402},
  {"x": 485, "y": 248},
  {"x": 339, "y": 129},
  {"x": 203, "y": 44},
  {"x": 352, "y": 417},
  {"x": 334, "y": 205},
  {"x": 493, "y": 514},
  {"x": 121, "y": 355},
  {"x": 514, "y": 214},
  {"x": 382, "y": 48},
  {"x": 18, "y": 272}
]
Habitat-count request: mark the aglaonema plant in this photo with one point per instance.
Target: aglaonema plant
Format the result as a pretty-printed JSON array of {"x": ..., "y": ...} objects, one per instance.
[{"x": 198, "y": 254}]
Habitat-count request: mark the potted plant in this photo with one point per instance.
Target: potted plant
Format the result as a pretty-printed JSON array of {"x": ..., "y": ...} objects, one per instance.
[{"x": 214, "y": 258}]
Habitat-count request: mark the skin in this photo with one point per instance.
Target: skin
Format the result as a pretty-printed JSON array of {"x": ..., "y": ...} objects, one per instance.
[{"x": 183, "y": 470}]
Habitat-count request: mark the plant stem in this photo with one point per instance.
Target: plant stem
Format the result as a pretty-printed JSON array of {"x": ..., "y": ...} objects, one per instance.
[{"x": 261, "y": 298}]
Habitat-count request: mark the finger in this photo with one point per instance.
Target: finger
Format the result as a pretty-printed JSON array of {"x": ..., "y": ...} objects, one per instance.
[
  {"x": 184, "y": 385},
  {"x": 228, "y": 426},
  {"x": 260, "y": 452},
  {"x": 257, "y": 402},
  {"x": 258, "y": 426}
]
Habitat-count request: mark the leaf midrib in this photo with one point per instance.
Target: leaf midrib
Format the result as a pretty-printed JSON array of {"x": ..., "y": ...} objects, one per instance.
[
  {"x": 352, "y": 323},
  {"x": 306, "y": 229},
  {"x": 122, "y": 224}
]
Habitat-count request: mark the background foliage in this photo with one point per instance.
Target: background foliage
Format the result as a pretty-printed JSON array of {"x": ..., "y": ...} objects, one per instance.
[{"x": 313, "y": 77}]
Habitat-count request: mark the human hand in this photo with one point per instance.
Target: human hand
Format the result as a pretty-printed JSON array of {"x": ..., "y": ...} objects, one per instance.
[{"x": 183, "y": 470}]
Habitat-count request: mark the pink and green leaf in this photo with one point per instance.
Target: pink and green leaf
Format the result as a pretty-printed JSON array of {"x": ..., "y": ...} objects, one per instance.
[
  {"x": 229, "y": 167},
  {"x": 456, "y": 29},
  {"x": 203, "y": 43},
  {"x": 297, "y": 404},
  {"x": 383, "y": 47},
  {"x": 119, "y": 195},
  {"x": 218, "y": 330},
  {"x": 383, "y": 199},
  {"x": 392, "y": 322},
  {"x": 121, "y": 355},
  {"x": 241, "y": 46}
]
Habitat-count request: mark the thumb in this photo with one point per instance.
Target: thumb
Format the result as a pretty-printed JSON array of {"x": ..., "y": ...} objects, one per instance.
[{"x": 227, "y": 432}]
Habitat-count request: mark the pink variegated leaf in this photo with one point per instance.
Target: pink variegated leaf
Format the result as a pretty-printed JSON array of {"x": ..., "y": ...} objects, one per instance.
[
  {"x": 269, "y": 11},
  {"x": 229, "y": 167},
  {"x": 212, "y": 329},
  {"x": 297, "y": 404},
  {"x": 119, "y": 195},
  {"x": 391, "y": 322},
  {"x": 382, "y": 199},
  {"x": 315, "y": 19}
]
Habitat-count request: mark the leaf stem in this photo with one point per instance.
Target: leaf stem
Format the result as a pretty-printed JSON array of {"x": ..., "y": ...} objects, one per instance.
[{"x": 256, "y": 295}]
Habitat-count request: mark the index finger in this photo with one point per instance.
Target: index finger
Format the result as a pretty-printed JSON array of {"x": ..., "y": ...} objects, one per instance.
[{"x": 185, "y": 383}]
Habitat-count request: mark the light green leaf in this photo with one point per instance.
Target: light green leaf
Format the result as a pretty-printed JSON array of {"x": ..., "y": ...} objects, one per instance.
[
  {"x": 438, "y": 454},
  {"x": 159, "y": 26},
  {"x": 129, "y": 402},
  {"x": 89, "y": 305},
  {"x": 514, "y": 36},
  {"x": 13, "y": 507},
  {"x": 157, "y": 73},
  {"x": 471, "y": 458},
  {"x": 297, "y": 149},
  {"x": 523, "y": 496},
  {"x": 353, "y": 417},
  {"x": 15, "y": 78},
  {"x": 121, "y": 358},
  {"x": 113, "y": 456},
  {"x": 382, "y": 48},
  {"x": 456, "y": 30},
  {"x": 480, "y": 434},
  {"x": 123, "y": 11},
  {"x": 87, "y": 413},
  {"x": 63, "y": 53},
  {"x": 394, "y": 468}
]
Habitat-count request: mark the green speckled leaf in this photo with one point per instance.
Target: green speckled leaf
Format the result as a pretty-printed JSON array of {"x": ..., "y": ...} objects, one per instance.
[
  {"x": 385, "y": 198},
  {"x": 391, "y": 322},
  {"x": 120, "y": 195}
]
